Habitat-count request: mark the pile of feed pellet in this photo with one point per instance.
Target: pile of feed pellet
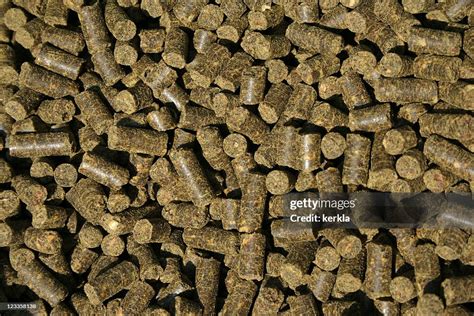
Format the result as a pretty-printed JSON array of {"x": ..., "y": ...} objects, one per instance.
[{"x": 147, "y": 147}]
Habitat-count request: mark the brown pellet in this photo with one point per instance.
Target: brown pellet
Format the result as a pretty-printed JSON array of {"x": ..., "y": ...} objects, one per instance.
[
  {"x": 38, "y": 278},
  {"x": 431, "y": 41},
  {"x": 9, "y": 204},
  {"x": 351, "y": 273},
  {"x": 117, "y": 21},
  {"x": 106, "y": 66},
  {"x": 398, "y": 141},
  {"x": 379, "y": 270},
  {"x": 327, "y": 116},
  {"x": 29, "y": 35},
  {"x": 356, "y": 161},
  {"x": 458, "y": 94},
  {"x": 229, "y": 77},
  {"x": 371, "y": 119},
  {"x": 333, "y": 145},
  {"x": 247, "y": 123},
  {"x": 327, "y": 258},
  {"x": 212, "y": 239},
  {"x": 426, "y": 264},
  {"x": 235, "y": 145},
  {"x": 90, "y": 236},
  {"x": 125, "y": 53},
  {"x": 411, "y": 164},
  {"x": 56, "y": 13},
  {"x": 252, "y": 256},
  {"x": 111, "y": 281},
  {"x": 190, "y": 171},
  {"x": 125, "y": 139},
  {"x": 23, "y": 103},
  {"x": 93, "y": 28},
  {"x": 44, "y": 241},
  {"x": 406, "y": 90},
  {"x": 67, "y": 40},
  {"x": 57, "y": 111},
  {"x": 137, "y": 298},
  {"x": 395, "y": 66},
  {"x": 402, "y": 289},
  {"x": 450, "y": 157},
  {"x": 279, "y": 182},
  {"x": 439, "y": 68},
  {"x": 314, "y": 39},
  {"x": 12, "y": 233},
  {"x": 65, "y": 175},
  {"x": 438, "y": 180},
  {"x": 88, "y": 198},
  {"x": 151, "y": 231},
  {"x": 14, "y": 18},
  {"x": 96, "y": 113},
  {"x": 252, "y": 206},
  {"x": 49, "y": 217},
  {"x": 458, "y": 290},
  {"x": 329, "y": 180},
  {"x": 112, "y": 245},
  {"x": 47, "y": 82}
]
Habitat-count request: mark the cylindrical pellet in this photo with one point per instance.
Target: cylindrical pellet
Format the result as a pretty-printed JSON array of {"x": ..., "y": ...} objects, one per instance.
[
  {"x": 252, "y": 85},
  {"x": 411, "y": 164},
  {"x": 47, "y": 82},
  {"x": 398, "y": 141},
  {"x": 94, "y": 28},
  {"x": 58, "y": 61},
  {"x": 252, "y": 256},
  {"x": 111, "y": 281},
  {"x": 371, "y": 119},
  {"x": 67, "y": 40},
  {"x": 34, "y": 275},
  {"x": 117, "y": 21},
  {"x": 176, "y": 48},
  {"x": 88, "y": 198},
  {"x": 44, "y": 241},
  {"x": 151, "y": 231},
  {"x": 406, "y": 90},
  {"x": 137, "y": 140},
  {"x": 356, "y": 161},
  {"x": 212, "y": 239},
  {"x": 450, "y": 157}
]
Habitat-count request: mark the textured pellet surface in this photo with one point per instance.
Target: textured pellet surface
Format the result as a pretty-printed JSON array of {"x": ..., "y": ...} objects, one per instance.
[{"x": 149, "y": 149}]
